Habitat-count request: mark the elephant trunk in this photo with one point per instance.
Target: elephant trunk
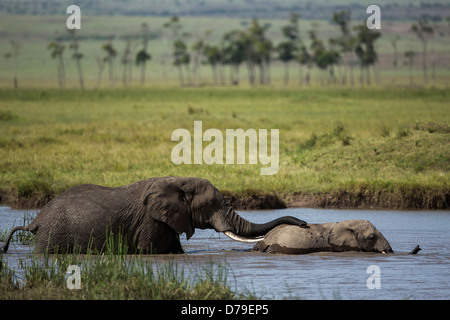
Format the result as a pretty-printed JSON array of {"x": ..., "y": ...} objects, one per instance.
[{"x": 239, "y": 229}]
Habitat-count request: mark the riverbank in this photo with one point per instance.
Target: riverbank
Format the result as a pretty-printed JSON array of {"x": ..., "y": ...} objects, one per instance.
[
  {"x": 363, "y": 199},
  {"x": 338, "y": 147}
]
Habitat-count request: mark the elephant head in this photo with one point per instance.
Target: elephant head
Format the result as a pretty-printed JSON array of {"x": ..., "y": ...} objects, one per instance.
[
  {"x": 357, "y": 235},
  {"x": 188, "y": 203}
]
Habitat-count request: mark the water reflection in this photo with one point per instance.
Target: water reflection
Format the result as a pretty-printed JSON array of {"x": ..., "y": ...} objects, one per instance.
[{"x": 325, "y": 275}]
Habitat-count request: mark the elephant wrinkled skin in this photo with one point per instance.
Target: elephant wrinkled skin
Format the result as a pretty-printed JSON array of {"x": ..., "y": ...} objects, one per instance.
[
  {"x": 149, "y": 215},
  {"x": 349, "y": 235}
]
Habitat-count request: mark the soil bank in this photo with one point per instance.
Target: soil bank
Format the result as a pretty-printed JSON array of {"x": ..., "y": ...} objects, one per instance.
[{"x": 261, "y": 201}]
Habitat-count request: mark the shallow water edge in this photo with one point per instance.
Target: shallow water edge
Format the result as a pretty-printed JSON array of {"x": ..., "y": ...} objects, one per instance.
[{"x": 325, "y": 275}]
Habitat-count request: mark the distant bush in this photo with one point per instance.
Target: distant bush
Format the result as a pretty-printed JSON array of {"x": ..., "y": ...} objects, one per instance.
[
  {"x": 337, "y": 134},
  {"x": 7, "y": 115}
]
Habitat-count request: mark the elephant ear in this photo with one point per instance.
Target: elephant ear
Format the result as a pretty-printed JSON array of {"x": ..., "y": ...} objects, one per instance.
[
  {"x": 343, "y": 237},
  {"x": 168, "y": 201}
]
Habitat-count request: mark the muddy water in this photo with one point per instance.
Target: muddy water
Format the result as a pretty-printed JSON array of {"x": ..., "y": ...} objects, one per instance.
[{"x": 321, "y": 275}]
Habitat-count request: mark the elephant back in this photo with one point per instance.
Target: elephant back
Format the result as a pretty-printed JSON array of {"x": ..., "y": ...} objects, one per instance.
[
  {"x": 77, "y": 216},
  {"x": 290, "y": 239}
]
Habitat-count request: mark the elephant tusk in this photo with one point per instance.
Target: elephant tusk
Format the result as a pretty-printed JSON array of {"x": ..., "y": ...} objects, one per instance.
[{"x": 235, "y": 237}]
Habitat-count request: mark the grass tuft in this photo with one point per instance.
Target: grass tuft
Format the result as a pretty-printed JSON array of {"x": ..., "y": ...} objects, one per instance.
[
  {"x": 115, "y": 276},
  {"x": 7, "y": 115}
]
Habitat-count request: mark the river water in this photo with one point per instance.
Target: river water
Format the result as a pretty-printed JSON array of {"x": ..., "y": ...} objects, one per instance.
[{"x": 319, "y": 275}]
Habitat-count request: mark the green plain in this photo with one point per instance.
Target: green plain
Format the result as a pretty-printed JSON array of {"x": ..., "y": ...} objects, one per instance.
[{"x": 371, "y": 147}]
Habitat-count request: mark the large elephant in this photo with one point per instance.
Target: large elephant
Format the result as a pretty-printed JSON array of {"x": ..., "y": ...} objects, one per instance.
[
  {"x": 149, "y": 215},
  {"x": 349, "y": 235}
]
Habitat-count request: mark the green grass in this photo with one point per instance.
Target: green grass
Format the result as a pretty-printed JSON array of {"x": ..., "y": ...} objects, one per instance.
[
  {"x": 379, "y": 147},
  {"x": 114, "y": 276}
]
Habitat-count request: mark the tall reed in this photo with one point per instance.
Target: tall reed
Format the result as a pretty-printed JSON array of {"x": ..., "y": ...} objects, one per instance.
[{"x": 114, "y": 274}]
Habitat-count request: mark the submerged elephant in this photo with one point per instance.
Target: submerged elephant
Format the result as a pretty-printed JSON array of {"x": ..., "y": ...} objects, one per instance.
[
  {"x": 349, "y": 235},
  {"x": 149, "y": 215}
]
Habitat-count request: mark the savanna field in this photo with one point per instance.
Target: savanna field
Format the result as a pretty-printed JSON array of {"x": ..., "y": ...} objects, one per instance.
[
  {"x": 381, "y": 144},
  {"x": 367, "y": 147},
  {"x": 359, "y": 147},
  {"x": 99, "y": 106}
]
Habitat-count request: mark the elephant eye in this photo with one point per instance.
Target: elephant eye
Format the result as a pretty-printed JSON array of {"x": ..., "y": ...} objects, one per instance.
[{"x": 371, "y": 237}]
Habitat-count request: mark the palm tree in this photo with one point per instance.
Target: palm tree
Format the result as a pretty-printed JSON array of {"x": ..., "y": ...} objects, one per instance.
[
  {"x": 409, "y": 55},
  {"x": 288, "y": 49},
  {"x": 423, "y": 31},
  {"x": 250, "y": 56},
  {"x": 57, "y": 50},
  {"x": 346, "y": 42},
  {"x": 365, "y": 49},
  {"x": 14, "y": 53},
  {"x": 181, "y": 57},
  {"x": 292, "y": 31},
  {"x": 233, "y": 52},
  {"x": 286, "y": 53},
  {"x": 264, "y": 49},
  {"x": 111, "y": 54},
  {"x": 214, "y": 57},
  {"x": 101, "y": 64},
  {"x": 197, "y": 52},
  {"x": 77, "y": 56},
  {"x": 127, "y": 57},
  {"x": 141, "y": 60},
  {"x": 259, "y": 49},
  {"x": 174, "y": 26},
  {"x": 304, "y": 58},
  {"x": 143, "y": 56},
  {"x": 395, "y": 59},
  {"x": 324, "y": 58}
]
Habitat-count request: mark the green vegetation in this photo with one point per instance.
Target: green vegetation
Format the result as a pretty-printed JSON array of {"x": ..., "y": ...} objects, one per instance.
[
  {"x": 352, "y": 142},
  {"x": 338, "y": 147},
  {"x": 115, "y": 275}
]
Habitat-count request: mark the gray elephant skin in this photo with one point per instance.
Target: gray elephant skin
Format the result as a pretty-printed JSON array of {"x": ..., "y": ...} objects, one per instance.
[
  {"x": 149, "y": 215},
  {"x": 349, "y": 235}
]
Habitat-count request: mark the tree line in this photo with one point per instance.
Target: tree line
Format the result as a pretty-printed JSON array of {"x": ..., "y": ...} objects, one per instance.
[
  {"x": 254, "y": 50},
  {"x": 250, "y": 48},
  {"x": 134, "y": 53}
]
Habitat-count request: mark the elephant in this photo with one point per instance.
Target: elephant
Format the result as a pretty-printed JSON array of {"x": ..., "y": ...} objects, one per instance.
[
  {"x": 348, "y": 235},
  {"x": 149, "y": 215}
]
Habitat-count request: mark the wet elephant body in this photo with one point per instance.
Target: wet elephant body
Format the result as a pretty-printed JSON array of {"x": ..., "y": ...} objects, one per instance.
[
  {"x": 349, "y": 235},
  {"x": 149, "y": 215}
]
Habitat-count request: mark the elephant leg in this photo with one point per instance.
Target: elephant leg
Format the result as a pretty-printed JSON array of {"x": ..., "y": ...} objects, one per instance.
[
  {"x": 48, "y": 242},
  {"x": 159, "y": 239}
]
